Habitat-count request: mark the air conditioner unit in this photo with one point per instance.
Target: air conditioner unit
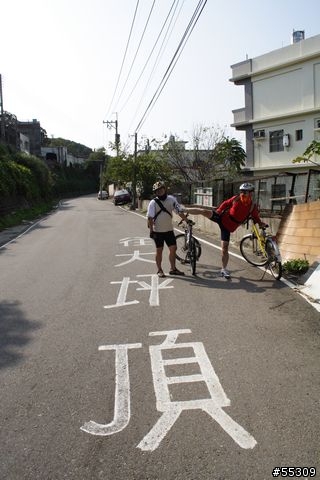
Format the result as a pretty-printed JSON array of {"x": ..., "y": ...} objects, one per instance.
[
  {"x": 286, "y": 140},
  {"x": 259, "y": 134}
]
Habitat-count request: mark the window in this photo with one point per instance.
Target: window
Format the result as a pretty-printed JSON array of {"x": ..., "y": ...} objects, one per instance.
[
  {"x": 263, "y": 187},
  {"x": 276, "y": 141},
  {"x": 299, "y": 135}
]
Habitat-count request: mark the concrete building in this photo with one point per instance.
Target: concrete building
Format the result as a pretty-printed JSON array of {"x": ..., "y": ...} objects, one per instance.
[
  {"x": 281, "y": 115},
  {"x": 35, "y": 133},
  {"x": 60, "y": 156}
]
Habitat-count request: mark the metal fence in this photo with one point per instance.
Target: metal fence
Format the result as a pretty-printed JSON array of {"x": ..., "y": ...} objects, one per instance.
[{"x": 272, "y": 192}]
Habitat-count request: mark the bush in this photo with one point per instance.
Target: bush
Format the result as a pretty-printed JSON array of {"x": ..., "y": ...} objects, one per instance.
[
  {"x": 40, "y": 172},
  {"x": 297, "y": 266}
]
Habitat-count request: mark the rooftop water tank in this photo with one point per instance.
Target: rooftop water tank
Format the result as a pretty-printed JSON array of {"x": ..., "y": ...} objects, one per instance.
[{"x": 297, "y": 36}]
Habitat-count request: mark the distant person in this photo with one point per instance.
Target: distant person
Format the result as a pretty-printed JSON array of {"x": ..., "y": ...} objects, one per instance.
[
  {"x": 230, "y": 214},
  {"x": 161, "y": 228}
]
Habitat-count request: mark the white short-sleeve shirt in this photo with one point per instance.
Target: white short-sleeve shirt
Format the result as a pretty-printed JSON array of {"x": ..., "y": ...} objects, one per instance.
[{"x": 163, "y": 222}]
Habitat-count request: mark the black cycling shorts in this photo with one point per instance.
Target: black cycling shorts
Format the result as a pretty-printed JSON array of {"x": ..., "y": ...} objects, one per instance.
[
  {"x": 225, "y": 234},
  {"x": 161, "y": 237}
]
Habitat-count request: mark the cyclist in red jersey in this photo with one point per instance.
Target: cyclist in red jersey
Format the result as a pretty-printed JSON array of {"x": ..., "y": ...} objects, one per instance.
[{"x": 230, "y": 214}]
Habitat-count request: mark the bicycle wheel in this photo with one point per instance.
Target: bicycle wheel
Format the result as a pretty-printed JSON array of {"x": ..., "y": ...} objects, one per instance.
[
  {"x": 274, "y": 263},
  {"x": 182, "y": 253},
  {"x": 193, "y": 256},
  {"x": 251, "y": 251},
  {"x": 182, "y": 248}
]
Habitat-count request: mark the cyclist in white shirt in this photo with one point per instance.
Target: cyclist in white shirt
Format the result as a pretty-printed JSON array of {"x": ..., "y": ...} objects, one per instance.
[{"x": 161, "y": 228}]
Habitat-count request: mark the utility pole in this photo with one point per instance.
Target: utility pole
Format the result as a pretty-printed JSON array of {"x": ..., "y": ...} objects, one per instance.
[
  {"x": 2, "y": 126},
  {"x": 114, "y": 124},
  {"x": 134, "y": 179}
]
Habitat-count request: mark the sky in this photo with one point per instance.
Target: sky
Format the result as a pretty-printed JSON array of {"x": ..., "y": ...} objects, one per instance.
[{"x": 76, "y": 64}]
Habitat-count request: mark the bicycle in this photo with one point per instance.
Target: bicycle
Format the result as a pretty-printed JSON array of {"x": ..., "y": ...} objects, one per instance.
[
  {"x": 261, "y": 249},
  {"x": 188, "y": 247}
]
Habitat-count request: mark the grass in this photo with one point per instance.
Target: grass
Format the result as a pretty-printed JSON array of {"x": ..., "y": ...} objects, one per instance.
[
  {"x": 25, "y": 214},
  {"x": 297, "y": 266}
]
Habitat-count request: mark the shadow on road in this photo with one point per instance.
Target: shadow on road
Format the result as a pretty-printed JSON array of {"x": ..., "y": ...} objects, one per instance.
[
  {"x": 11, "y": 235},
  {"x": 209, "y": 277},
  {"x": 15, "y": 333}
]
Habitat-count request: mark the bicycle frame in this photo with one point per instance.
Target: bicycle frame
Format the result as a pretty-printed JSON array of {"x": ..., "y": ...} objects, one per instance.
[
  {"x": 262, "y": 238},
  {"x": 188, "y": 247},
  {"x": 261, "y": 249}
]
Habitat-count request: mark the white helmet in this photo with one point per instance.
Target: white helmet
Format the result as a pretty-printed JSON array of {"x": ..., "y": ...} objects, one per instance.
[
  {"x": 157, "y": 186},
  {"x": 246, "y": 187}
]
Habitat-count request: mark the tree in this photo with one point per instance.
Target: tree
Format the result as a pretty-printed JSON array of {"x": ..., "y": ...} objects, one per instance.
[
  {"x": 312, "y": 150},
  {"x": 98, "y": 155},
  {"x": 76, "y": 149},
  {"x": 149, "y": 169},
  {"x": 119, "y": 170},
  {"x": 213, "y": 155},
  {"x": 230, "y": 155}
]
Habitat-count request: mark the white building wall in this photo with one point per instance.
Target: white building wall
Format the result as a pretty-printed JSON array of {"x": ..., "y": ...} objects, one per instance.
[
  {"x": 316, "y": 74},
  {"x": 285, "y": 95},
  {"x": 279, "y": 93}
]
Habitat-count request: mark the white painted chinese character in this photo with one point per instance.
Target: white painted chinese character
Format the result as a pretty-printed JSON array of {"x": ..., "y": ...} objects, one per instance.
[
  {"x": 154, "y": 288},
  {"x": 121, "y": 300},
  {"x": 171, "y": 410},
  {"x": 135, "y": 256},
  {"x": 136, "y": 241},
  {"x": 122, "y": 394}
]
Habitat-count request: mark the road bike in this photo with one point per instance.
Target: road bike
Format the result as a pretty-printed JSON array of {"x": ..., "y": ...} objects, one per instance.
[
  {"x": 188, "y": 247},
  {"x": 261, "y": 249}
]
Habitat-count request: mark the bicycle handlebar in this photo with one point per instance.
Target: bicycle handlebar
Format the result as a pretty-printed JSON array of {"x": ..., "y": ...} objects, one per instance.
[{"x": 190, "y": 222}]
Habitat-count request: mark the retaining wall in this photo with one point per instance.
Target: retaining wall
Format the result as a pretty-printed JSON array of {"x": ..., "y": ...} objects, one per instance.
[{"x": 297, "y": 230}]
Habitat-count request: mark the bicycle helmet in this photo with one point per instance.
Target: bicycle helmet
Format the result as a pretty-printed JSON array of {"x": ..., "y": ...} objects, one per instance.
[
  {"x": 157, "y": 186},
  {"x": 246, "y": 187}
]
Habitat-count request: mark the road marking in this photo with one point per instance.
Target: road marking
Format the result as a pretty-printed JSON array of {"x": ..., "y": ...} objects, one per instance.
[
  {"x": 171, "y": 410},
  {"x": 122, "y": 411},
  {"x": 153, "y": 287},
  {"x": 134, "y": 256},
  {"x": 136, "y": 241},
  {"x": 121, "y": 299}
]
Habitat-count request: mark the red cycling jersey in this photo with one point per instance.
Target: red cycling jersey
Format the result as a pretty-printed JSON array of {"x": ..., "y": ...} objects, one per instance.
[{"x": 233, "y": 213}]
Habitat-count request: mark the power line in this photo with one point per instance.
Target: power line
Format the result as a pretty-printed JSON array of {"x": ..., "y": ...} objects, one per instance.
[
  {"x": 147, "y": 61},
  {"x": 161, "y": 50},
  {"x": 124, "y": 57},
  {"x": 182, "y": 44},
  {"x": 138, "y": 48}
]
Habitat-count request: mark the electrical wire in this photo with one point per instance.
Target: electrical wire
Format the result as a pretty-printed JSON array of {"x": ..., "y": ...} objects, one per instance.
[
  {"x": 138, "y": 48},
  {"x": 124, "y": 57},
  {"x": 147, "y": 61},
  {"x": 160, "y": 53},
  {"x": 194, "y": 19}
]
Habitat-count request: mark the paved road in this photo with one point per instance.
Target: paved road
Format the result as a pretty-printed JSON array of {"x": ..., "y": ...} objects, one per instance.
[{"x": 108, "y": 372}]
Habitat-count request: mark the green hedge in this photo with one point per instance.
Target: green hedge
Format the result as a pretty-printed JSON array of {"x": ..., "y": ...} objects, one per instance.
[{"x": 27, "y": 180}]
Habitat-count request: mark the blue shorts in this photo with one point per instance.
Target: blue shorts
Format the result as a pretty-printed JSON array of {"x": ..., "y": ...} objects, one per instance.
[
  {"x": 161, "y": 237},
  {"x": 225, "y": 234}
]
